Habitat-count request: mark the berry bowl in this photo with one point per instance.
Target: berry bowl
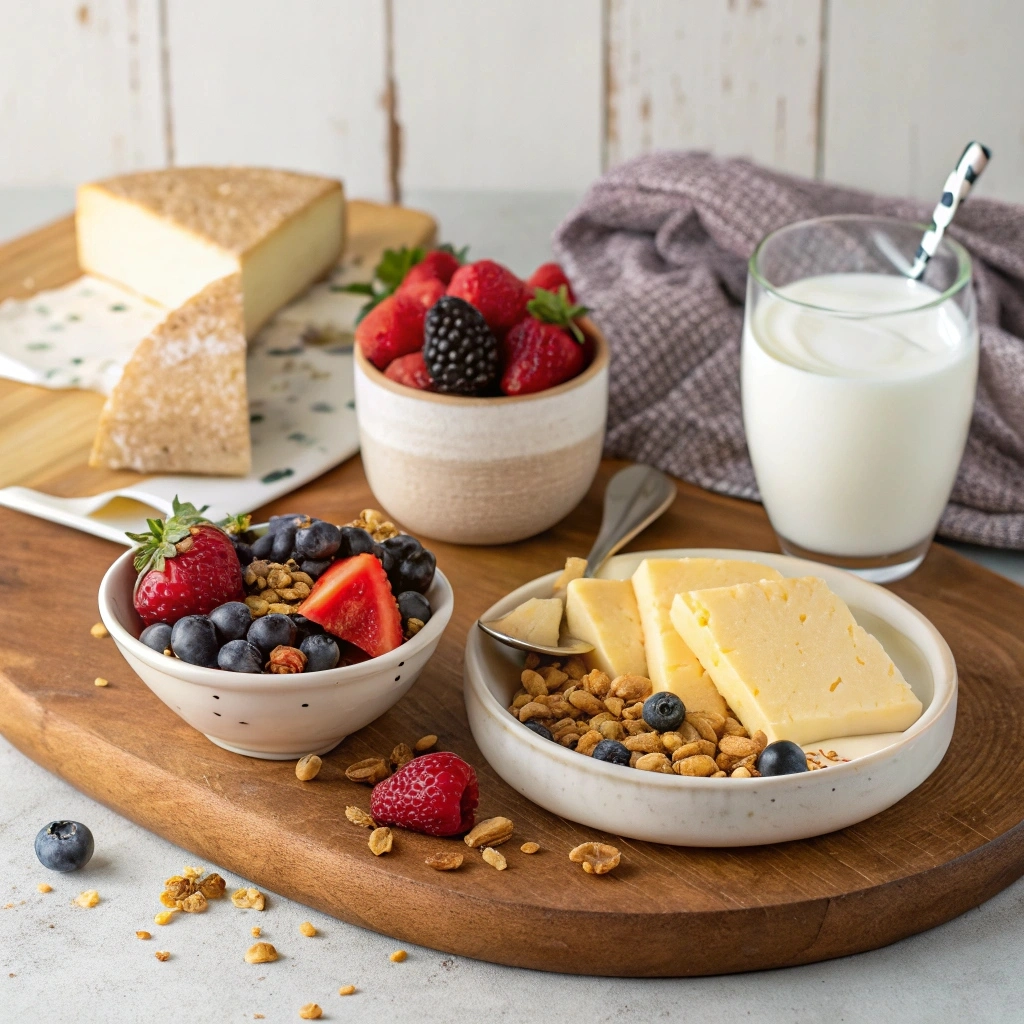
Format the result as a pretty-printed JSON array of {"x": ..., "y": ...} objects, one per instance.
[
  {"x": 281, "y": 717},
  {"x": 708, "y": 812},
  {"x": 482, "y": 470}
]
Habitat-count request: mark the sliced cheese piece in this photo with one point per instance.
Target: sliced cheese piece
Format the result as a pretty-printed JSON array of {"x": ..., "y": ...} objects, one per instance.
[
  {"x": 604, "y": 613},
  {"x": 791, "y": 660},
  {"x": 574, "y": 569},
  {"x": 167, "y": 234},
  {"x": 181, "y": 404},
  {"x": 673, "y": 666},
  {"x": 537, "y": 621}
]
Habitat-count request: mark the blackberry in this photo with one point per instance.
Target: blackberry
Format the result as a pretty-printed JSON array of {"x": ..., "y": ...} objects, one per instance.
[{"x": 461, "y": 352}]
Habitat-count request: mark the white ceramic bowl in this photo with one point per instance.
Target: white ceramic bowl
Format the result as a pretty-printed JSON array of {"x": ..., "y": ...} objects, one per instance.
[
  {"x": 723, "y": 812},
  {"x": 281, "y": 717},
  {"x": 481, "y": 470}
]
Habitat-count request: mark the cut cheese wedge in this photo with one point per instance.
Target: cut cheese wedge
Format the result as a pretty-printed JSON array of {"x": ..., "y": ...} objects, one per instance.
[
  {"x": 604, "y": 613},
  {"x": 181, "y": 404},
  {"x": 791, "y": 660},
  {"x": 536, "y": 621},
  {"x": 168, "y": 234},
  {"x": 672, "y": 665}
]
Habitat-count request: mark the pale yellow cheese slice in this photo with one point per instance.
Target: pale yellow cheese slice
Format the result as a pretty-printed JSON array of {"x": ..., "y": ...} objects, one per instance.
[
  {"x": 791, "y": 661},
  {"x": 671, "y": 664},
  {"x": 536, "y": 621},
  {"x": 604, "y": 613},
  {"x": 181, "y": 405}
]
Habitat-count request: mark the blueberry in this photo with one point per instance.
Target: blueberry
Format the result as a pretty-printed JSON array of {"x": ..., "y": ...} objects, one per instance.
[
  {"x": 783, "y": 757},
  {"x": 321, "y": 652},
  {"x": 272, "y": 631},
  {"x": 611, "y": 751},
  {"x": 386, "y": 559},
  {"x": 416, "y": 571},
  {"x": 355, "y": 541},
  {"x": 157, "y": 636},
  {"x": 317, "y": 541},
  {"x": 291, "y": 518},
  {"x": 64, "y": 846},
  {"x": 541, "y": 730},
  {"x": 413, "y": 605},
  {"x": 305, "y": 627},
  {"x": 232, "y": 621},
  {"x": 315, "y": 569},
  {"x": 244, "y": 552},
  {"x": 261, "y": 547},
  {"x": 194, "y": 639},
  {"x": 284, "y": 542},
  {"x": 240, "y": 656},
  {"x": 664, "y": 711},
  {"x": 402, "y": 545}
]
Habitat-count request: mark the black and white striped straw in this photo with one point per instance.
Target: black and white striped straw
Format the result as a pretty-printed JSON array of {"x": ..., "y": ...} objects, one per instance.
[{"x": 967, "y": 171}]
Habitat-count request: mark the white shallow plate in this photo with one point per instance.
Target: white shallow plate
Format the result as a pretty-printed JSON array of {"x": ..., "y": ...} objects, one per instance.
[{"x": 723, "y": 812}]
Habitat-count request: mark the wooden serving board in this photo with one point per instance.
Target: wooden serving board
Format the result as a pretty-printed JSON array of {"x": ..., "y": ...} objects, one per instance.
[
  {"x": 666, "y": 911},
  {"x": 46, "y": 434}
]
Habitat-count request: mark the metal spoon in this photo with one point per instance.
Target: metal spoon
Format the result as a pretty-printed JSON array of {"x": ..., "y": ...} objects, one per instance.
[{"x": 636, "y": 496}]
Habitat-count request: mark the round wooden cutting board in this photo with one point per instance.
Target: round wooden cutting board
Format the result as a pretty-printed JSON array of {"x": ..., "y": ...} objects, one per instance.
[{"x": 666, "y": 911}]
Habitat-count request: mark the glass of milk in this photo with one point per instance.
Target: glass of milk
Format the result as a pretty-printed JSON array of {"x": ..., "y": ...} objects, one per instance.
[{"x": 858, "y": 387}]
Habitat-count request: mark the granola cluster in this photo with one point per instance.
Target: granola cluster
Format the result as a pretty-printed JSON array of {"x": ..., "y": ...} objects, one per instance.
[
  {"x": 275, "y": 587},
  {"x": 191, "y": 890},
  {"x": 580, "y": 708}
]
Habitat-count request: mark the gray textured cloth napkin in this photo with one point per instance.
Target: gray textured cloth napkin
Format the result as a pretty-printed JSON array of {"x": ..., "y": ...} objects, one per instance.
[{"x": 658, "y": 250}]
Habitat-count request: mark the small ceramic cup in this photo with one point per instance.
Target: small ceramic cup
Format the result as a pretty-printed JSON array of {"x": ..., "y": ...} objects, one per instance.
[{"x": 482, "y": 470}]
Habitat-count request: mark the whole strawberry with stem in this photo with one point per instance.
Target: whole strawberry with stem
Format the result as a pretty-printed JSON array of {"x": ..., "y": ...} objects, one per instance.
[
  {"x": 547, "y": 347},
  {"x": 186, "y": 565}
]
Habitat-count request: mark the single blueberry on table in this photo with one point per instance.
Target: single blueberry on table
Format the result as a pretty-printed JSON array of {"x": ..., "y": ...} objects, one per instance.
[
  {"x": 194, "y": 639},
  {"x": 611, "y": 751},
  {"x": 64, "y": 845},
  {"x": 317, "y": 541},
  {"x": 232, "y": 621},
  {"x": 355, "y": 541},
  {"x": 272, "y": 631},
  {"x": 321, "y": 652},
  {"x": 413, "y": 605},
  {"x": 157, "y": 636},
  {"x": 240, "y": 656},
  {"x": 783, "y": 757},
  {"x": 541, "y": 730},
  {"x": 664, "y": 711}
]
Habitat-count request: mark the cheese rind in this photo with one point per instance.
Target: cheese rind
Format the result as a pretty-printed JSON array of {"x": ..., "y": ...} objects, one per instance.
[
  {"x": 791, "y": 660},
  {"x": 671, "y": 664},
  {"x": 604, "y": 613},
  {"x": 167, "y": 234},
  {"x": 181, "y": 405},
  {"x": 536, "y": 621}
]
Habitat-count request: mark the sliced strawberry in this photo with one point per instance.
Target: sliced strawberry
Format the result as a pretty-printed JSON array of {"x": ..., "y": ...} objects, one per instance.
[
  {"x": 550, "y": 277},
  {"x": 411, "y": 371},
  {"x": 425, "y": 292},
  {"x": 494, "y": 290},
  {"x": 353, "y": 600},
  {"x": 391, "y": 329},
  {"x": 438, "y": 265}
]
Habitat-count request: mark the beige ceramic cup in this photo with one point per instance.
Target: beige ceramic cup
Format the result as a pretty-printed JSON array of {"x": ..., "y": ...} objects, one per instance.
[{"x": 481, "y": 470}]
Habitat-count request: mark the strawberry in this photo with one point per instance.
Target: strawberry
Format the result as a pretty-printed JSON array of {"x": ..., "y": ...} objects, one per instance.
[
  {"x": 436, "y": 794},
  {"x": 550, "y": 277},
  {"x": 499, "y": 295},
  {"x": 186, "y": 565},
  {"x": 437, "y": 265},
  {"x": 353, "y": 600},
  {"x": 426, "y": 292},
  {"x": 392, "y": 329},
  {"x": 411, "y": 371},
  {"x": 547, "y": 347}
]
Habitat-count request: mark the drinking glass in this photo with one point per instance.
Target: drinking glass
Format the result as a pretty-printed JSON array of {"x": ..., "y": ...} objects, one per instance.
[{"x": 858, "y": 387}]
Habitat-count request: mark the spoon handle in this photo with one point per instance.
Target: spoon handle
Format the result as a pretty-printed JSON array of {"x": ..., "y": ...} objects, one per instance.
[{"x": 635, "y": 497}]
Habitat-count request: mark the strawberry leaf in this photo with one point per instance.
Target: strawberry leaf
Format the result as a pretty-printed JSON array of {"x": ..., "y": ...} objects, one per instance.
[
  {"x": 154, "y": 547},
  {"x": 555, "y": 308}
]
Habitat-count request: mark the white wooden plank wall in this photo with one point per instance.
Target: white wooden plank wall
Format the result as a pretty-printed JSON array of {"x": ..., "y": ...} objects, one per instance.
[{"x": 510, "y": 94}]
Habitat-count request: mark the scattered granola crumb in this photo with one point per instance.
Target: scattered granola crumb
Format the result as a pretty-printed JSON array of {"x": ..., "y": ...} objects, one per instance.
[
  {"x": 491, "y": 832},
  {"x": 164, "y": 917},
  {"x": 346, "y": 990},
  {"x": 307, "y": 929},
  {"x": 143, "y": 935},
  {"x": 248, "y": 899},
  {"x": 87, "y": 899},
  {"x": 162, "y": 955},
  {"x": 494, "y": 858},
  {"x": 307, "y": 767},
  {"x": 311, "y": 1012},
  {"x": 257, "y": 1016},
  {"x": 256, "y": 932},
  {"x": 99, "y": 631},
  {"x": 44, "y": 887},
  {"x": 424, "y": 743},
  {"x": 260, "y": 953},
  {"x": 530, "y": 847},
  {"x": 100, "y": 681},
  {"x": 444, "y": 861},
  {"x": 596, "y": 858},
  {"x": 398, "y": 956},
  {"x": 359, "y": 817},
  {"x": 381, "y": 840}
]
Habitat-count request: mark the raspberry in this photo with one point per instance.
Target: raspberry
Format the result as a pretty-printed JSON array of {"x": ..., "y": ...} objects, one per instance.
[{"x": 436, "y": 794}]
